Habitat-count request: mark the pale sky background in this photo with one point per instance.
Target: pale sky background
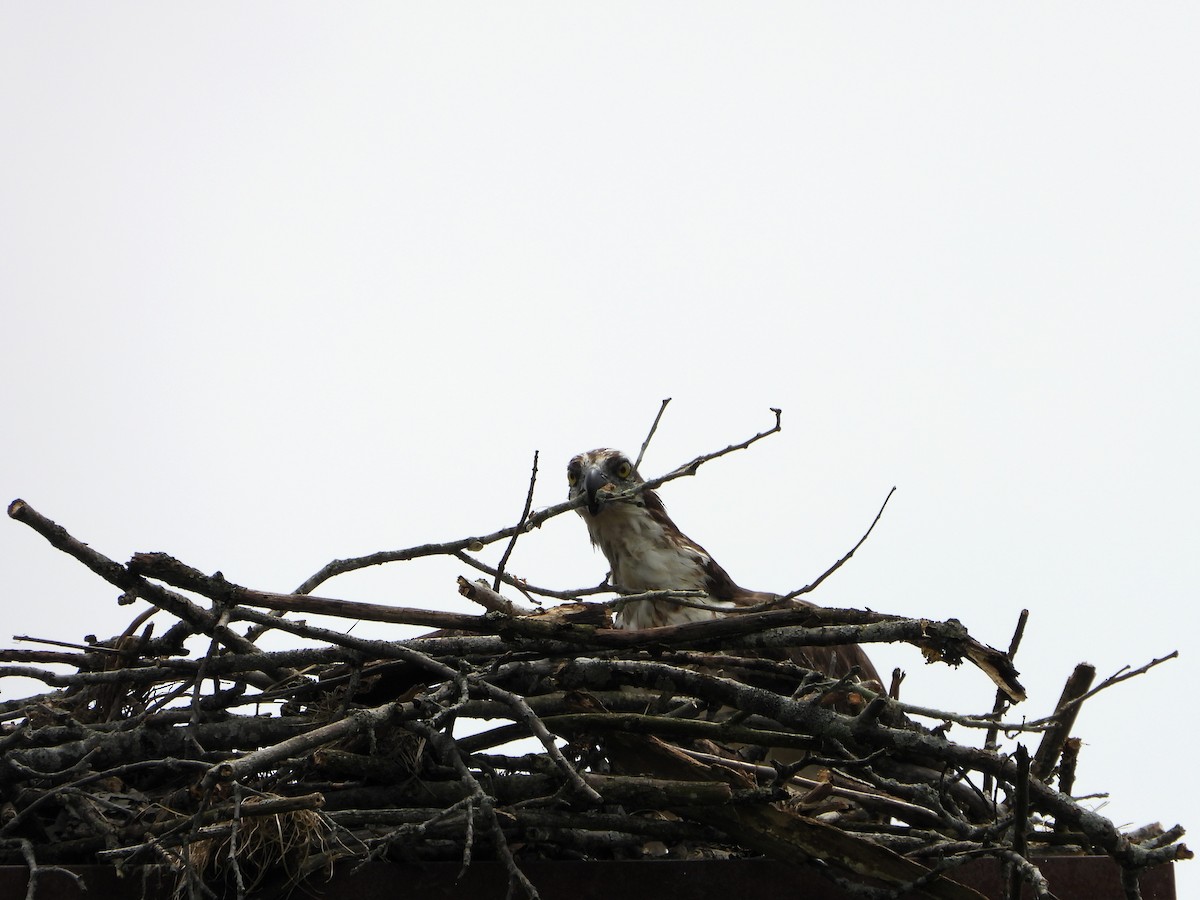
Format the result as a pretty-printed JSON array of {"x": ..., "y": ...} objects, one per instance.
[{"x": 289, "y": 282}]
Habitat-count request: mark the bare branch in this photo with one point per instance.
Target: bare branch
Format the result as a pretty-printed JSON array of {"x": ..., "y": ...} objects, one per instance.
[
  {"x": 1064, "y": 715},
  {"x": 116, "y": 574},
  {"x": 1123, "y": 674},
  {"x": 520, "y": 525},
  {"x": 490, "y": 599},
  {"x": 653, "y": 428},
  {"x": 1001, "y": 703},
  {"x": 808, "y": 588},
  {"x": 690, "y": 468},
  {"x": 524, "y": 586}
]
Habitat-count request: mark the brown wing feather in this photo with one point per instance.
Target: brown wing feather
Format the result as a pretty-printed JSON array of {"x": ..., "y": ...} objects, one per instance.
[
  {"x": 838, "y": 660},
  {"x": 835, "y": 661}
]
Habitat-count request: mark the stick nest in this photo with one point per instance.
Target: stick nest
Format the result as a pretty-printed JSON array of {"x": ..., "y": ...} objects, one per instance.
[{"x": 235, "y": 766}]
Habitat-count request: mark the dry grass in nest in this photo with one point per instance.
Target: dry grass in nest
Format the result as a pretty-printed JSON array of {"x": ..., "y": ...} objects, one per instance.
[{"x": 290, "y": 845}]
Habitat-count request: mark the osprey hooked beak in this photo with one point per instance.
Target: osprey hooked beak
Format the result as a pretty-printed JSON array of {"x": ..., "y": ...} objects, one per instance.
[
  {"x": 593, "y": 481},
  {"x": 598, "y": 473}
]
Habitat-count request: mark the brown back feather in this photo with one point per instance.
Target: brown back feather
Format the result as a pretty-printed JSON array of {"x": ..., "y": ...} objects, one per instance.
[{"x": 835, "y": 661}]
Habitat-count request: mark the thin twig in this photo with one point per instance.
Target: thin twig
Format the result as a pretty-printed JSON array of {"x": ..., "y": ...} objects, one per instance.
[
  {"x": 520, "y": 528},
  {"x": 114, "y": 573},
  {"x": 36, "y": 870},
  {"x": 232, "y": 853},
  {"x": 525, "y": 587},
  {"x": 1123, "y": 674},
  {"x": 1000, "y": 706},
  {"x": 452, "y": 755},
  {"x": 837, "y": 565},
  {"x": 650, "y": 434},
  {"x": 89, "y": 648},
  {"x": 687, "y": 469}
]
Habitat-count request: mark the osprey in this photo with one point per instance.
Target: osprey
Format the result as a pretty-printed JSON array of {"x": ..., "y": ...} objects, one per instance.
[{"x": 647, "y": 552}]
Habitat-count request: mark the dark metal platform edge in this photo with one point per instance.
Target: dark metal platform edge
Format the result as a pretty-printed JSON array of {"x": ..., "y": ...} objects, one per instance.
[{"x": 1070, "y": 878}]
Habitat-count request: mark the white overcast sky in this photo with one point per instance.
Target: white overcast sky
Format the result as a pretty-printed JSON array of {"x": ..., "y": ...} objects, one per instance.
[{"x": 289, "y": 282}]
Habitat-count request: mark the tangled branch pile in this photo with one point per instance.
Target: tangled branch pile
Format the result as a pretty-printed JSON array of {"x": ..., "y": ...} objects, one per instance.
[{"x": 240, "y": 765}]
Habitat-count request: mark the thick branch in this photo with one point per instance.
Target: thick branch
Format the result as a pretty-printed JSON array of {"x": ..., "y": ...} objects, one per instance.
[
  {"x": 1065, "y": 714},
  {"x": 127, "y": 581}
]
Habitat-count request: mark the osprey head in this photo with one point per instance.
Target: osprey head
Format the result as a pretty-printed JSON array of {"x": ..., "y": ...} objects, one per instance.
[{"x": 600, "y": 473}]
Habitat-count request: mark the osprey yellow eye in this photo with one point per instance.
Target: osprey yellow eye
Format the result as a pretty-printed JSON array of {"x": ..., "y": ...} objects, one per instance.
[
  {"x": 624, "y": 470},
  {"x": 572, "y": 477}
]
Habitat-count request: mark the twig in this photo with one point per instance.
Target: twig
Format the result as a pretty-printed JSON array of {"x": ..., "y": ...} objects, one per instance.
[
  {"x": 490, "y": 599},
  {"x": 271, "y": 806},
  {"x": 520, "y": 528},
  {"x": 232, "y": 853},
  {"x": 837, "y": 565},
  {"x": 36, "y": 871},
  {"x": 516, "y": 702},
  {"x": 12, "y": 824},
  {"x": 1066, "y": 770},
  {"x": 991, "y": 741},
  {"x": 172, "y": 571},
  {"x": 653, "y": 428},
  {"x": 686, "y": 470},
  {"x": 89, "y": 648},
  {"x": 222, "y": 621},
  {"x": 527, "y": 588},
  {"x": 451, "y": 754},
  {"x": 119, "y": 575},
  {"x": 1123, "y": 674},
  {"x": 238, "y": 768}
]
